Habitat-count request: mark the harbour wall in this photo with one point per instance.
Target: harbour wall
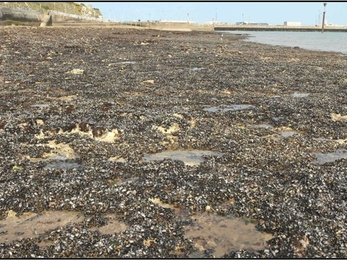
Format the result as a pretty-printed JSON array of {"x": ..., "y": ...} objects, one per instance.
[{"x": 281, "y": 28}]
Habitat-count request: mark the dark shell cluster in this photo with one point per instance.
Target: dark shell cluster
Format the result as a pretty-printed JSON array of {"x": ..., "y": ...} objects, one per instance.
[{"x": 81, "y": 108}]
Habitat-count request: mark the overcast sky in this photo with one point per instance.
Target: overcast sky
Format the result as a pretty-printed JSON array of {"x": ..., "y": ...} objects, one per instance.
[{"x": 308, "y": 13}]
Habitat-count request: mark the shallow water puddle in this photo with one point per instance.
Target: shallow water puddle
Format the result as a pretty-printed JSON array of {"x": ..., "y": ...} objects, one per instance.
[
  {"x": 300, "y": 95},
  {"x": 113, "y": 226},
  {"x": 30, "y": 224},
  {"x": 340, "y": 141},
  {"x": 62, "y": 165},
  {"x": 288, "y": 133},
  {"x": 220, "y": 233},
  {"x": 121, "y": 63},
  {"x": 191, "y": 158},
  {"x": 59, "y": 151},
  {"x": 196, "y": 68},
  {"x": 223, "y": 234},
  {"x": 225, "y": 108},
  {"x": 285, "y": 132},
  {"x": 322, "y": 158},
  {"x": 127, "y": 62},
  {"x": 261, "y": 126},
  {"x": 40, "y": 105}
]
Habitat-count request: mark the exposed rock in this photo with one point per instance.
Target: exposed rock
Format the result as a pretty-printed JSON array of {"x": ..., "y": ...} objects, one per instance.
[{"x": 46, "y": 20}]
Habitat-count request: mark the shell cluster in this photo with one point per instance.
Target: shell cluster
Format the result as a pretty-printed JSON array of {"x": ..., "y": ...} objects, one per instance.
[{"x": 81, "y": 108}]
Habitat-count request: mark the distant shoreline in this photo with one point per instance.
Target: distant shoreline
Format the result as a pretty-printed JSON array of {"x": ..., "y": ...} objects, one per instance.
[{"x": 182, "y": 26}]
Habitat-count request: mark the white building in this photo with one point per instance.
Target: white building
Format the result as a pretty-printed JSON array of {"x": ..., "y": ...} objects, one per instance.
[{"x": 292, "y": 23}]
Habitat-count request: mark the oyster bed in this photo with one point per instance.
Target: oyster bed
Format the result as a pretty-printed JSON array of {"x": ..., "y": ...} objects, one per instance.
[{"x": 83, "y": 109}]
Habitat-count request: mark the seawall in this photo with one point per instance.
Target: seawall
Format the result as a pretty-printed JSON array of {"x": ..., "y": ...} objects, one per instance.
[
  {"x": 19, "y": 15},
  {"x": 35, "y": 17}
]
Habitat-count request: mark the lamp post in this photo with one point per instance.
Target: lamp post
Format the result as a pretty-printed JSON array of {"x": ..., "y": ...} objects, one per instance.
[{"x": 323, "y": 21}]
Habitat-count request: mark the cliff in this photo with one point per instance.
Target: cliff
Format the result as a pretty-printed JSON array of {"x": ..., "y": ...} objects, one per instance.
[{"x": 22, "y": 12}]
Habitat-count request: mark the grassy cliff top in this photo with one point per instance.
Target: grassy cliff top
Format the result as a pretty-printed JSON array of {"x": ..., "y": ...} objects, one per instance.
[{"x": 66, "y": 7}]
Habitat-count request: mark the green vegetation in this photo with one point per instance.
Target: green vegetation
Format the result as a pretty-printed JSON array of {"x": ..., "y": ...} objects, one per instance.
[
  {"x": 79, "y": 7},
  {"x": 14, "y": 22},
  {"x": 17, "y": 168},
  {"x": 10, "y": 22},
  {"x": 45, "y": 7}
]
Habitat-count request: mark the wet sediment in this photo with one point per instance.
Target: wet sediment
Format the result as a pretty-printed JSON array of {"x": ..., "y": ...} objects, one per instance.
[{"x": 143, "y": 143}]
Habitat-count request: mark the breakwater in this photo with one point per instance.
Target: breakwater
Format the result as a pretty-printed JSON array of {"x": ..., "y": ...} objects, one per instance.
[{"x": 281, "y": 28}]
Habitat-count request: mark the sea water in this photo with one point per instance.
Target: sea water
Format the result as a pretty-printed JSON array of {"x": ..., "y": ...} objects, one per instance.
[{"x": 327, "y": 41}]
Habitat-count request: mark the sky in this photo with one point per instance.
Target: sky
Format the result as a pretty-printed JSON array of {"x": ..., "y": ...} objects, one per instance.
[{"x": 273, "y": 13}]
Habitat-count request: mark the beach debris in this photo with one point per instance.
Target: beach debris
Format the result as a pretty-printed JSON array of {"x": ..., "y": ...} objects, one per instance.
[{"x": 76, "y": 71}]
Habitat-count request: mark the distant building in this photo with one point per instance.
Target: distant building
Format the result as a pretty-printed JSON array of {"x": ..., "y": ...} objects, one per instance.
[
  {"x": 292, "y": 23},
  {"x": 252, "y": 23},
  {"x": 177, "y": 22},
  {"x": 263, "y": 24},
  {"x": 215, "y": 23}
]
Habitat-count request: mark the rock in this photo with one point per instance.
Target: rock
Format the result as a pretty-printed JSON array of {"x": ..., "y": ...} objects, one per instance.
[
  {"x": 76, "y": 71},
  {"x": 208, "y": 208},
  {"x": 150, "y": 81},
  {"x": 46, "y": 20}
]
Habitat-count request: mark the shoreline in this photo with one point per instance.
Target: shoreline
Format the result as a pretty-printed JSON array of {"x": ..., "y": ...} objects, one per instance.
[
  {"x": 252, "y": 37},
  {"x": 281, "y": 28}
]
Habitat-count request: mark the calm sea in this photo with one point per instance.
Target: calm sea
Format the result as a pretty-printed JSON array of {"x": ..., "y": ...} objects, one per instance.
[{"x": 327, "y": 41}]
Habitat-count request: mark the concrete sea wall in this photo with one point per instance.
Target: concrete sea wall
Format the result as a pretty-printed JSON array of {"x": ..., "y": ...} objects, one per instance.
[
  {"x": 37, "y": 16},
  {"x": 20, "y": 15}
]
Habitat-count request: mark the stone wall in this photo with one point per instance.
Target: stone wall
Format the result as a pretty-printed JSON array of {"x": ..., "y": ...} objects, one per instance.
[
  {"x": 20, "y": 15},
  {"x": 38, "y": 16}
]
